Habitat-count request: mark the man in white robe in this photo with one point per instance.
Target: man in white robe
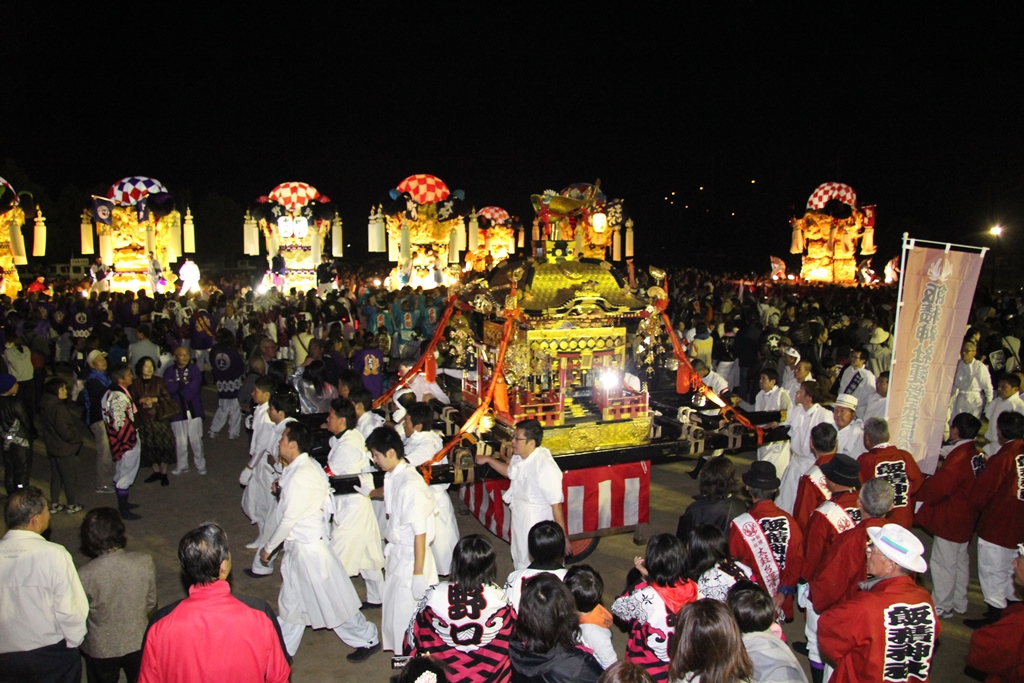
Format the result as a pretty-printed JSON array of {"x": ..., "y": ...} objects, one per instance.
[
  {"x": 856, "y": 379},
  {"x": 878, "y": 403},
  {"x": 772, "y": 398},
  {"x": 535, "y": 494},
  {"x": 1007, "y": 400},
  {"x": 315, "y": 588},
  {"x": 851, "y": 432},
  {"x": 258, "y": 498},
  {"x": 972, "y": 384},
  {"x": 408, "y": 562},
  {"x": 356, "y": 536},
  {"x": 807, "y": 413},
  {"x": 421, "y": 445}
]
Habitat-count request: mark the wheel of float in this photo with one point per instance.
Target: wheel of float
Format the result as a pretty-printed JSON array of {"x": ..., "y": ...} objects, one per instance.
[{"x": 582, "y": 549}]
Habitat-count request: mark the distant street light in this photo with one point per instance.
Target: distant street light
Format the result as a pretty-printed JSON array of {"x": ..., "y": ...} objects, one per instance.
[{"x": 997, "y": 232}]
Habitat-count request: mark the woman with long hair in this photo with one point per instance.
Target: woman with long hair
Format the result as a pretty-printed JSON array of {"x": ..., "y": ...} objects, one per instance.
[
  {"x": 717, "y": 503},
  {"x": 546, "y": 644},
  {"x": 708, "y": 646},
  {"x": 468, "y": 602},
  {"x": 315, "y": 392},
  {"x": 153, "y": 422},
  {"x": 650, "y": 608},
  {"x": 708, "y": 563}
]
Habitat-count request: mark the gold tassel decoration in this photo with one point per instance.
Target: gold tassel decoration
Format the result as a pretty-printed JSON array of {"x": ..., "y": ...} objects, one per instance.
[
  {"x": 337, "y": 239},
  {"x": 190, "y": 233},
  {"x": 85, "y": 229},
  {"x": 629, "y": 238},
  {"x": 39, "y": 234}
]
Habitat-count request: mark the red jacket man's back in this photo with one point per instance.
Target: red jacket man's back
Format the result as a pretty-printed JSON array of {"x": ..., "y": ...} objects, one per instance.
[
  {"x": 843, "y": 566},
  {"x": 785, "y": 539},
  {"x": 998, "y": 649},
  {"x": 999, "y": 495},
  {"x": 885, "y": 633},
  {"x": 900, "y": 468},
  {"x": 945, "y": 508},
  {"x": 821, "y": 532},
  {"x": 809, "y": 494}
]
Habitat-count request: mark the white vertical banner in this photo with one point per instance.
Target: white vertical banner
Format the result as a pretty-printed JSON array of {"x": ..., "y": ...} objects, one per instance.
[{"x": 936, "y": 291}]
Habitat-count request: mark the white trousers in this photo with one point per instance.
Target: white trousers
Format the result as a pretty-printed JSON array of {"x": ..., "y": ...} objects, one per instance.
[
  {"x": 189, "y": 432},
  {"x": 229, "y": 413},
  {"x": 356, "y": 632},
  {"x": 202, "y": 358},
  {"x": 127, "y": 467},
  {"x": 995, "y": 572},
  {"x": 374, "y": 580},
  {"x": 811, "y": 631},
  {"x": 950, "y": 566}
]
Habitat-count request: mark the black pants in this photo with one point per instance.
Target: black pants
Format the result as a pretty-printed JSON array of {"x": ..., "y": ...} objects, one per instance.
[
  {"x": 108, "y": 670},
  {"x": 17, "y": 467},
  {"x": 55, "y": 663},
  {"x": 64, "y": 475}
]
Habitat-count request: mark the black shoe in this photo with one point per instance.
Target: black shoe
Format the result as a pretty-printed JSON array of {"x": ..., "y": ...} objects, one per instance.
[
  {"x": 800, "y": 647},
  {"x": 129, "y": 516},
  {"x": 253, "y": 575},
  {"x": 164, "y": 481},
  {"x": 369, "y": 605},
  {"x": 361, "y": 654},
  {"x": 152, "y": 478},
  {"x": 991, "y": 617}
]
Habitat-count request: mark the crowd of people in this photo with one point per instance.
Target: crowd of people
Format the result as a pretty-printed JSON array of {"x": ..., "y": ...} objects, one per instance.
[{"x": 704, "y": 604}]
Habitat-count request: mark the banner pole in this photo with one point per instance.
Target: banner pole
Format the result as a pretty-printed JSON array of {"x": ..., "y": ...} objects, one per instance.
[{"x": 899, "y": 308}]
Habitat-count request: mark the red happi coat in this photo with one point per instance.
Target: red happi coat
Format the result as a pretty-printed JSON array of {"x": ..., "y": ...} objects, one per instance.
[
  {"x": 821, "y": 533},
  {"x": 900, "y": 468},
  {"x": 999, "y": 496},
  {"x": 998, "y": 649},
  {"x": 809, "y": 496},
  {"x": 786, "y": 540},
  {"x": 884, "y": 633},
  {"x": 844, "y": 565},
  {"x": 945, "y": 496}
]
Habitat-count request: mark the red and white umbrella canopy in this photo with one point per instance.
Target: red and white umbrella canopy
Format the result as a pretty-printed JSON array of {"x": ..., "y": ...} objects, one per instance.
[
  {"x": 294, "y": 196},
  {"x": 495, "y": 214},
  {"x": 424, "y": 188},
  {"x": 7, "y": 186},
  {"x": 128, "y": 191},
  {"x": 828, "y": 191}
]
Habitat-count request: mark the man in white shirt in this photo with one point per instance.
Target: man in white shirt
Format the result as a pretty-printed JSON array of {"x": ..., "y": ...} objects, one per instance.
[
  {"x": 315, "y": 588},
  {"x": 408, "y": 561},
  {"x": 535, "y": 494},
  {"x": 806, "y": 414},
  {"x": 772, "y": 398},
  {"x": 258, "y": 498},
  {"x": 356, "y": 535},
  {"x": 1007, "y": 400},
  {"x": 972, "y": 384},
  {"x": 366, "y": 419},
  {"x": 856, "y": 379},
  {"x": 851, "y": 432},
  {"x": 421, "y": 445},
  {"x": 42, "y": 602},
  {"x": 878, "y": 403}
]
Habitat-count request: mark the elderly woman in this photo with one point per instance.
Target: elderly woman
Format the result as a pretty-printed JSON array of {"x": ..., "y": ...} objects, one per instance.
[
  {"x": 154, "y": 420},
  {"x": 121, "y": 588}
]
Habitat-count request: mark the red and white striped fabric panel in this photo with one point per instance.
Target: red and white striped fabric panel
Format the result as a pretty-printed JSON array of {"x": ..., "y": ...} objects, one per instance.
[{"x": 595, "y": 498}]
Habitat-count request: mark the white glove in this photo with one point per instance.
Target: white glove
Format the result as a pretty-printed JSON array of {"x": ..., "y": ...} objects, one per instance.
[
  {"x": 419, "y": 586},
  {"x": 365, "y": 490},
  {"x": 245, "y": 476}
]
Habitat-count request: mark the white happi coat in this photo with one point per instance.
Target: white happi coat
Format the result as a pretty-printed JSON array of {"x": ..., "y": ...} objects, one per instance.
[
  {"x": 863, "y": 390},
  {"x": 777, "y": 452},
  {"x": 536, "y": 486},
  {"x": 993, "y": 410},
  {"x": 875, "y": 407},
  {"x": 315, "y": 589},
  {"x": 257, "y": 500},
  {"x": 972, "y": 388},
  {"x": 800, "y": 423},
  {"x": 851, "y": 439},
  {"x": 411, "y": 509},
  {"x": 420, "y": 448},
  {"x": 355, "y": 538},
  {"x": 367, "y": 422}
]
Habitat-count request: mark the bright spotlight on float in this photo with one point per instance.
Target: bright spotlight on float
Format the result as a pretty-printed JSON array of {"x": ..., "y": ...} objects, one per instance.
[
  {"x": 600, "y": 222},
  {"x": 609, "y": 380}
]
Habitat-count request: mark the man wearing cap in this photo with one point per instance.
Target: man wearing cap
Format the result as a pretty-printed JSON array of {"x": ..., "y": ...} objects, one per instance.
[
  {"x": 813, "y": 489},
  {"x": 998, "y": 497},
  {"x": 768, "y": 539},
  {"x": 856, "y": 379},
  {"x": 886, "y": 631},
  {"x": 96, "y": 384},
  {"x": 946, "y": 513},
  {"x": 879, "y": 352},
  {"x": 884, "y": 459},
  {"x": 998, "y": 649},
  {"x": 972, "y": 384},
  {"x": 851, "y": 435},
  {"x": 787, "y": 371},
  {"x": 834, "y": 516}
]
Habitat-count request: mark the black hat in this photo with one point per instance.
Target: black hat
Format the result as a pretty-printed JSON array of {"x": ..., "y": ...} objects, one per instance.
[
  {"x": 842, "y": 470},
  {"x": 761, "y": 475}
]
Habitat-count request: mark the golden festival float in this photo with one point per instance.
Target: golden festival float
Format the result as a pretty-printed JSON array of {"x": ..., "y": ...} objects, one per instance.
[
  {"x": 138, "y": 216},
  {"x": 15, "y": 209},
  {"x": 560, "y": 335},
  {"x": 829, "y": 232},
  {"x": 294, "y": 219},
  {"x": 421, "y": 227}
]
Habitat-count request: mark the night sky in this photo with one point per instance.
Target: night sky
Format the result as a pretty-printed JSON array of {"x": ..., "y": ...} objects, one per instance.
[{"x": 920, "y": 113}]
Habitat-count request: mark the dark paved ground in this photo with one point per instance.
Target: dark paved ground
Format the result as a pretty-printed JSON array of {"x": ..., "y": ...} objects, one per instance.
[{"x": 168, "y": 512}]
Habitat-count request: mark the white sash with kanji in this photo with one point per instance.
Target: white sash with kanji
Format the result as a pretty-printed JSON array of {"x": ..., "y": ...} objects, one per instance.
[
  {"x": 819, "y": 480},
  {"x": 840, "y": 518},
  {"x": 754, "y": 537}
]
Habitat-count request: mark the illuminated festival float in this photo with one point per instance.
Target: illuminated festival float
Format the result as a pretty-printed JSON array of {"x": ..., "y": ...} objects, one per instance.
[
  {"x": 422, "y": 229},
  {"x": 294, "y": 219},
  {"x": 15, "y": 209},
  {"x": 492, "y": 238},
  {"x": 828, "y": 234},
  {"x": 563, "y": 337},
  {"x": 137, "y": 216}
]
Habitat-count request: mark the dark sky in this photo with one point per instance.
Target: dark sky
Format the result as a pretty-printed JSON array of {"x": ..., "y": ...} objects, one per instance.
[{"x": 919, "y": 113}]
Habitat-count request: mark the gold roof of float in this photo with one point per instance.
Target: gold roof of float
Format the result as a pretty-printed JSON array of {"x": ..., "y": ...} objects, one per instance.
[{"x": 577, "y": 288}]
